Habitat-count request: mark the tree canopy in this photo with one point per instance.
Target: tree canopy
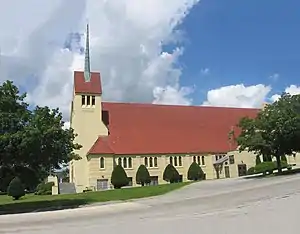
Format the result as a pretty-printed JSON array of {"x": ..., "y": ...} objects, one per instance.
[
  {"x": 32, "y": 138},
  {"x": 275, "y": 132}
]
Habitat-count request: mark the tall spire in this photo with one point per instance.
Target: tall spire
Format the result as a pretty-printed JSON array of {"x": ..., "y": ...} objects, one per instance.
[{"x": 87, "y": 66}]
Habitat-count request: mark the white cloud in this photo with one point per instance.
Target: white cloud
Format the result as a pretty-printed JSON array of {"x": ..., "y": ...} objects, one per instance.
[
  {"x": 66, "y": 125},
  {"x": 238, "y": 96},
  {"x": 126, "y": 46},
  {"x": 205, "y": 71},
  {"x": 292, "y": 89},
  {"x": 274, "y": 77},
  {"x": 172, "y": 95}
]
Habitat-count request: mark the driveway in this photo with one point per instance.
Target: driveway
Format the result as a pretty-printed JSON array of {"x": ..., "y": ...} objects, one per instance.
[{"x": 231, "y": 206}]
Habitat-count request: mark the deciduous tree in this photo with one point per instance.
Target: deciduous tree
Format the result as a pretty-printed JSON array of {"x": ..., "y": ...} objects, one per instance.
[
  {"x": 33, "y": 139},
  {"x": 275, "y": 132}
]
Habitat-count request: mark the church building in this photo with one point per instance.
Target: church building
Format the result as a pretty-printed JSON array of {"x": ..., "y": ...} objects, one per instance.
[{"x": 131, "y": 134}]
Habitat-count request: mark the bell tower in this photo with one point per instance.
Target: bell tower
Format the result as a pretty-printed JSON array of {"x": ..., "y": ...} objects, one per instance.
[{"x": 86, "y": 117}]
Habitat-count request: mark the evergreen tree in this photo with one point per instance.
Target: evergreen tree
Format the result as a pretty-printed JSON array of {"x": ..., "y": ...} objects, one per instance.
[
  {"x": 142, "y": 175},
  {"x": 171, "y": 174},
  {"x": 195, "y": 172},
  {"x": 119, "y": 177},
  {"x": 16, "y": 189}
]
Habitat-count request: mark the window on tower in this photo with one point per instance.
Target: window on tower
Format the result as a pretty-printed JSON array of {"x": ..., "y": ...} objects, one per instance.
[
  {"x": 88, "y": 100},
  {"x": 83, "y": 100},
  {"x": 93, "y": 101}
]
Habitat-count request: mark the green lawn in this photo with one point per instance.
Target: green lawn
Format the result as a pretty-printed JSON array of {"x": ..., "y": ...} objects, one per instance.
[{"x": 32, "y": 202}]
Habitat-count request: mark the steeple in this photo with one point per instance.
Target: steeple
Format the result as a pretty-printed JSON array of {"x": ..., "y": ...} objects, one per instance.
[{"x": 87, "y": 66}]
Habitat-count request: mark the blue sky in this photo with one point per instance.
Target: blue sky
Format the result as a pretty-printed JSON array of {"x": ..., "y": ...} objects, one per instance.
[{"x": 241, "y": 42}]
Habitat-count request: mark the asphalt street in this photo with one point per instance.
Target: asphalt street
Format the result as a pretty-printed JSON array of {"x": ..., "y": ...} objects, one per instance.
[{"x": 230, "y": 206}]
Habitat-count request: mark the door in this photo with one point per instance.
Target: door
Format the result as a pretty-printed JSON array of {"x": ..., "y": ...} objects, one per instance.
[
  {"x": 227, "y": 172},
  {"x": 242, "y": 169},
  {"x": 154, "y": 180},
  {"x": 102, "y": 184}
]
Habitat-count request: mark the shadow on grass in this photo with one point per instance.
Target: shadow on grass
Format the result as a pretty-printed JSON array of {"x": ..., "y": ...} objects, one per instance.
[{"x": 39, "y": 206}]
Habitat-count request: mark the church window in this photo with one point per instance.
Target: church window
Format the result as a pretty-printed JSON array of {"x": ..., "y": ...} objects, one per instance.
[
  {"x": 146, "y": 161},
  {"x": 88, "y": 100},
  {"x": 129, "y": 162},
  {"x": 175, "y": 162},
  {"x": 198, "y": 159},
  {"x": 171, "y": 160},
  {"x": 155, "y": 161},
  {"x": 102, "y": 163},
  {"x": 194, "y": 159},
  {"x": 203, "y": 160},
  {"x": 83, "y": 100},
  {"x": 119, "y": 161},
  {"x": 231, "y": 159},
  {"x": 151, "y": 162},
  {"x": 180, "y": 161},
  {"x": 93, "y": 101},
  {"x": 125, "y": 162}
]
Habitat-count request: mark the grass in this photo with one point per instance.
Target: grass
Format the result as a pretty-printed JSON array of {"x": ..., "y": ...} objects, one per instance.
[{"x": 30, "y": 202}]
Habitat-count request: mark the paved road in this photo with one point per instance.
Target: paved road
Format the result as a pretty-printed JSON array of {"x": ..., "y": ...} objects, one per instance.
[{"x": 231, "y": 206}]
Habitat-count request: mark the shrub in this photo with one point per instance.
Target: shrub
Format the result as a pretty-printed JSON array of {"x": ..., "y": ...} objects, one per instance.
[
  {"x": 267, "y": 158},
  {"x": 142, "y": 175},
  {"x": 15, "y": 189},
  {"x": 268, "y": 167},
  {"x": 119, "y": 177},
  {"x": 6, "y": 176},
  {"x": 171, "y": 174},
  {"x": 257, "y": 161},
  {"x": 29, "y": 177},
  {"x": 195, "y": 172},
  {"x": 283, "y": 158},
  {"x": 251, "y": 171},
  {"x": 44, "y": 188}
]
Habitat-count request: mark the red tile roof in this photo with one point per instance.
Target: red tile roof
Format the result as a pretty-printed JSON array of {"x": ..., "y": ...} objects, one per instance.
[
  {"x": 92, "y": 87},
  {"x": 163, "y": 129},
  {"x": 103, "y": 143}
]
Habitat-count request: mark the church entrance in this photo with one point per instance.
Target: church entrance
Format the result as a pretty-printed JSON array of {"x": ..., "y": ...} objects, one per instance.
[{"x": 227, "y": 172}]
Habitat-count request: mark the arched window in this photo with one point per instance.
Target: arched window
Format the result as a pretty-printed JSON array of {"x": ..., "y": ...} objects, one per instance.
[
  {"x": 203, "y": 160},
  {"x": 119, "y": 161},
  {"x": 146, "y": 161},
  {"x": 129, "y": 162},
  {"x": 198, "y": 159},
  {"x": 171, "y": 160},
  {"x": 175, "y": 162},
  {"x": 150, "y": 162},
  {"x": 102, "y": 163},
  {"x": 194, "y": 159},
  {"x": 180, "y": 161},
  {"x": 155, "y": 161},
  {"x": 125, "y": 162}
]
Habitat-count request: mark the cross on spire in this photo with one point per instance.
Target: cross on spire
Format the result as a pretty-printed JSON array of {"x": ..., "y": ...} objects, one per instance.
[{"x": 87, "y": 66}]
